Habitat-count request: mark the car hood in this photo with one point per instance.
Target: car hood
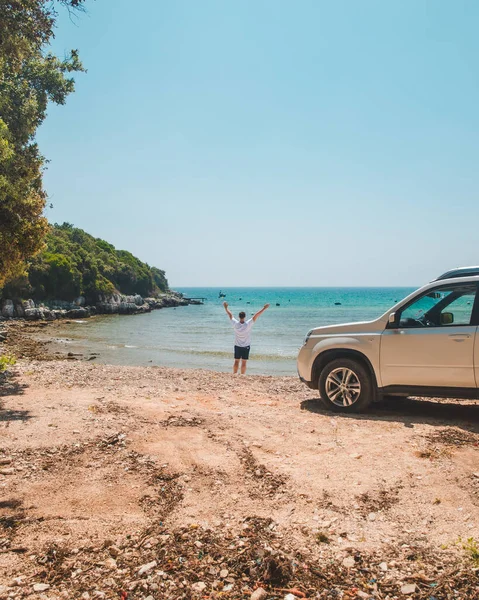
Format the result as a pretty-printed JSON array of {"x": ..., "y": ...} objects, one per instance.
[{"x": 347, "y": 328}]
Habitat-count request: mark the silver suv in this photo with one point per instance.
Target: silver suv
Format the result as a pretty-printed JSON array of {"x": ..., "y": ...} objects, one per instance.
[{"x": 426, "y": 345}]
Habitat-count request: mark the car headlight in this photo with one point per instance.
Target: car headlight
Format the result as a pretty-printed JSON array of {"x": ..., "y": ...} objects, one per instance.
[{"x": 308, "y": 335}]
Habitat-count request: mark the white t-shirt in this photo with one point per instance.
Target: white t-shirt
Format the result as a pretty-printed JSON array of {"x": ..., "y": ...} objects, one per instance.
[{"x": 242, "y": 332}]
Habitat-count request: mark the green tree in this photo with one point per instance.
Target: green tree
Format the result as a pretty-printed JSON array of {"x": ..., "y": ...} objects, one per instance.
[
  {"x": 159, "y": 279},
  {"x": 30, "y": 78},
  {"x": 57, "y": 277}
]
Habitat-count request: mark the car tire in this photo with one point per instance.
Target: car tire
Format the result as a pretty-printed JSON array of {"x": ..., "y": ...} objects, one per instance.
[{"x": 346, "y": 386}]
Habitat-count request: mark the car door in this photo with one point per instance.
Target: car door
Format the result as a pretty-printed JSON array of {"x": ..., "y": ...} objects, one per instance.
[{"x": 431, "y": 343}]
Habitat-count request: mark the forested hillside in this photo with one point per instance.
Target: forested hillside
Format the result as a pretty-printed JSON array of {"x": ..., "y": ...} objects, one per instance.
[{"x": 74, "y": 263}]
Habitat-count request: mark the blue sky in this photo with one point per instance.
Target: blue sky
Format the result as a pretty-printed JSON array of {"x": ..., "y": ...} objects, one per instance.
[{"x": 273, "y": 143}]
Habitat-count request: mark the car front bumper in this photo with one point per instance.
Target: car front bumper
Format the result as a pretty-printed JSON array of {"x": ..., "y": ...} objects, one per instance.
[
  {"x": 306, "y": 382},
  {"x": 303, "y": 365}
]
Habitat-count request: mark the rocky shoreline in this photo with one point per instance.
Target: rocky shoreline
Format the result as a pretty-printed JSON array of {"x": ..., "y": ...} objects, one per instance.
[{"x": 105, "y": 305}]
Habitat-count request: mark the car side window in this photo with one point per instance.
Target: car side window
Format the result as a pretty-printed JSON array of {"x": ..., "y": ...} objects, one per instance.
[
  {"x": 460, "y": 309},
  {"x": 442, "y": 307}
]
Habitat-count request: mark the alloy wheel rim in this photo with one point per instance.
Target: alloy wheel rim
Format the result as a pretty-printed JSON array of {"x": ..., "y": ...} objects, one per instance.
[{"x": 343, "y": 387}]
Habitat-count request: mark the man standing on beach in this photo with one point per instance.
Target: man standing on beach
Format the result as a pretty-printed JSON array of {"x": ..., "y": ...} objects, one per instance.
[{"x": 242, "y": 336}]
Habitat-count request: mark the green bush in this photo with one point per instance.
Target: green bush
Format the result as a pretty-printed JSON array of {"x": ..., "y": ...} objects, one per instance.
[
  {"x": 471, "y": 547},
  {"x": 6, "y": 360}
]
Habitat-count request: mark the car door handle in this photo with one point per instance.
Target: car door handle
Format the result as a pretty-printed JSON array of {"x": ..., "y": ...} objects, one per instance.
[{"x": 459, "y": 337}]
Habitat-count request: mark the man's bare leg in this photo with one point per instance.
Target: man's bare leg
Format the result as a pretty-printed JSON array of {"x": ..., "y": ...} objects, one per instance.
[
  {"x": 243, "y": 366},
  {"x": 236, "y": 365}
]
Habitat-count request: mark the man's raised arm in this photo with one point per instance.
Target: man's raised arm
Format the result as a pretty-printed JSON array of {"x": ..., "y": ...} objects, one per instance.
[
  {"x": 260, "y": 312},
  {"x": 228, "y": 312}
]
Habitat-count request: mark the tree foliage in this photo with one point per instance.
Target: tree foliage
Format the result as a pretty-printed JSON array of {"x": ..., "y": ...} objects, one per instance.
[
  {"x": 30, "y": 78},
  {"x": 75, "y": 263}
]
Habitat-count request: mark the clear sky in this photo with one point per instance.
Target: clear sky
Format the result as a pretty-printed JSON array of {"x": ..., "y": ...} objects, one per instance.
[{"x": 271, "y": 142}]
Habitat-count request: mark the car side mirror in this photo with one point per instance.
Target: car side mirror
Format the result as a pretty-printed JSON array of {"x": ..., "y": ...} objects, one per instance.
[
  {"x": 392, "y": 319},
  {"x": 447, "y": 318}
]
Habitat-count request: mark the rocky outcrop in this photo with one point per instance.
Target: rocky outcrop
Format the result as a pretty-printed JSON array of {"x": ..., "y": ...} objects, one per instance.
[
  {"x": 44, "y": 314},
  {"x": 8, "y": 309},
  {"x": 120, "y": 304},
  {"x": 106, "y": 305},
  {"x": 167, "y": 300}
]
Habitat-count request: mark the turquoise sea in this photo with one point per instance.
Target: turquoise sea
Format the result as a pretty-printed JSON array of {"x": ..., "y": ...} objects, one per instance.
[{"x": 202, "y": 337}]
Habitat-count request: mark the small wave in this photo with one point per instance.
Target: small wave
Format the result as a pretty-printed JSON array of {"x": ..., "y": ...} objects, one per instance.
[
  {"x": 113, "y": 347},
  {"x": 78, "y": 322},
  {"x": 223, "y": 354},
  {"x": 127, "y": 346}
]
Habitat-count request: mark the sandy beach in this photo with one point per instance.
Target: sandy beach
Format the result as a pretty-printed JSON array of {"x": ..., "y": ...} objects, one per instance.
[{"x": 152, "y": 483}]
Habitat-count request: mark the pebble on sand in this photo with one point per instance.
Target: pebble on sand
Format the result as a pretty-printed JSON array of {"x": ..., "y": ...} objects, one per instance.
[
  {"x": 259, "y": 594},
  {"x": 145, "y": 568},
  {"x": 199, "y": 586},
  {"x": 409, "y": 588}
]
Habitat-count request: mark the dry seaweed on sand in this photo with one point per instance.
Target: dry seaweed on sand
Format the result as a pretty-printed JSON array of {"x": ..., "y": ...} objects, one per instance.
[{"x": 210, "y": 563}]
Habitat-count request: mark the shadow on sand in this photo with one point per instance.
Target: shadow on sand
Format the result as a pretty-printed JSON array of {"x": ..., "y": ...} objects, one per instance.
[
  {"x": 411, "y": 411},
  {"x": 9, "y": 386},
  {"x": 14, "y": 503},
  {"x": 11, "y": 516}
]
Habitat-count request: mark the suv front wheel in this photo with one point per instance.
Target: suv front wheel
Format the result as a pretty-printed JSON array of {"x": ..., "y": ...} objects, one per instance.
[{"x": 346, "y": 386}]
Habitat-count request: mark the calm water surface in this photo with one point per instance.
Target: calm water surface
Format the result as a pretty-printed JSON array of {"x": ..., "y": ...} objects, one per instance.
[{"x": 202, "y": 337}]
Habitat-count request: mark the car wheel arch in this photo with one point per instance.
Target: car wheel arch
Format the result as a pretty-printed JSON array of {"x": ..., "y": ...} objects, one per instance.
[{"x": 328, "y": 355}]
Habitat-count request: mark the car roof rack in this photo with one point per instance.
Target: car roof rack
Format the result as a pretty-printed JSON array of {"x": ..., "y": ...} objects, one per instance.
[{"x": 459, "y": 272}]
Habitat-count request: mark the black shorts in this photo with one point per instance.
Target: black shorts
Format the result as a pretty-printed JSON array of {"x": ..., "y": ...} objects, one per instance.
[{"x": 241, "y": 352}]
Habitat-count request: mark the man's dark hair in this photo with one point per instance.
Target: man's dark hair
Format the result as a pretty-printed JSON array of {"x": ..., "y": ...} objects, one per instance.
[{"x": 242, "y": 315}]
